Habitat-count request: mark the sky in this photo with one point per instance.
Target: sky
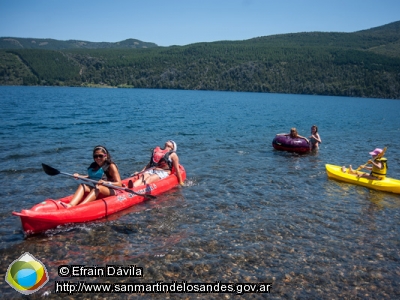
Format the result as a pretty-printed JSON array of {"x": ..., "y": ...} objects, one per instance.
[{"x": 183, "y": 22}]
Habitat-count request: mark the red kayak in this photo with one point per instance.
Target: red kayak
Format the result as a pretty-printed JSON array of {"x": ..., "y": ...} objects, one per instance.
[{"x": 51, "y": 213}]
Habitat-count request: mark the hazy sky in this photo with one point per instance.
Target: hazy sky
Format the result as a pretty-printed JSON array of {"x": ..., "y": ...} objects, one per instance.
[{"x": 182, "y": 22}]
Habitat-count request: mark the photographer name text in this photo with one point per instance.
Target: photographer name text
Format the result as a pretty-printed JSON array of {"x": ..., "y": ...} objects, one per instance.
[{"x": 96, "y": 271}]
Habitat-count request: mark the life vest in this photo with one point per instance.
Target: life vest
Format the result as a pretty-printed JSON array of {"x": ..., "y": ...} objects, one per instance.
[
  {"x": 160, "y": 158},
  {"x": 96, "y": 173},
  {"x": 380, "y": 173}
]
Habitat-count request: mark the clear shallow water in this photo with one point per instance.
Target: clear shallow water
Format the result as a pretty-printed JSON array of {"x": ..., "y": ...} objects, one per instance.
[{"x": 248, "y": 213}]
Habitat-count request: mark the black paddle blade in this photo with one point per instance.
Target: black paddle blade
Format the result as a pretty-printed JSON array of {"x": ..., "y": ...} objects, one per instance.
[{"x": 49, "y": 170}]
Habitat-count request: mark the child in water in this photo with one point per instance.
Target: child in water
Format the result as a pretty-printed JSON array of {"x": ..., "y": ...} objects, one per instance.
[
  {"x": 293, "y": 134},
  {"x": 315, "y": 139}
]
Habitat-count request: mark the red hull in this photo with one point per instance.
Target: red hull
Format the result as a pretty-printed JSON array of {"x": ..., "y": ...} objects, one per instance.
[{"x": 50, "y": 213}]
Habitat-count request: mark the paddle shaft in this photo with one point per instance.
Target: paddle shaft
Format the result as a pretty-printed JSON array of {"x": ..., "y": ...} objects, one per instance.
[
  {"x": 95, "y": 181},
  {"x": 51, "y": 171},
  {"x": 111, "y": 186}
]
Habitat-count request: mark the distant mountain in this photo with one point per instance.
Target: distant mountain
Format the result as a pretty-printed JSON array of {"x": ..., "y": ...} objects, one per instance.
[
  {"x": 363, "y": 40},
  {"x": 51, "y": 44},
  {"x": 391, "y": 29},
  {"x": 365, "y": 63}
]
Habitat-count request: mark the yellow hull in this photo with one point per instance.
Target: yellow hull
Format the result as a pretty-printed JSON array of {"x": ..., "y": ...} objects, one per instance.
[{"x": 387, "y": 184}]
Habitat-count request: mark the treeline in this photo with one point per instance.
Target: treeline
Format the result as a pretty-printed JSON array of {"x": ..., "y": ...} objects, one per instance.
[
  {"x": 51, "y": 44},
  {"x": 362, "y": 64},
  {"x": 48, "y": 67}
]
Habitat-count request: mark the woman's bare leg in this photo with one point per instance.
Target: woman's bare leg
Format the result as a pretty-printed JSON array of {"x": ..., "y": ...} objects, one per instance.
[
  {"x": 94, "y": 193},
  {"x": 91, "y": 196},
  {"x": 152, "y": 178},
  {"x": 78, "y": 196},
  {"x": 142, "y": 180}
]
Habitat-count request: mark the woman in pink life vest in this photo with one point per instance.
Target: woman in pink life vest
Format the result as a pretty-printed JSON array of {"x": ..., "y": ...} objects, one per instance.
[{"x": 162, "y": 163}]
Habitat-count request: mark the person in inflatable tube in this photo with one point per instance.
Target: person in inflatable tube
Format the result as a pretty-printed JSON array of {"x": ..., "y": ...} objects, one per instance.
[
  {"x": 161, "y": 164},
  {"x": 104, "y": 170},
  {"x": 378, "y": 169},
  {"x": 315, "y": 139},
  {"x": 294, "y": 134}
]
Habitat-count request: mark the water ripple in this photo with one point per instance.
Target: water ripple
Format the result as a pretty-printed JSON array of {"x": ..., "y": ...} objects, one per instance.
[{"x": 247, "y": 213}]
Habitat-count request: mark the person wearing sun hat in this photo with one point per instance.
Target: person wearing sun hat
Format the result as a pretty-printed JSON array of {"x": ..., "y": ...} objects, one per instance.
[
  {"x": 163, "y": 161},
  {"x": 378, "y": 169}
]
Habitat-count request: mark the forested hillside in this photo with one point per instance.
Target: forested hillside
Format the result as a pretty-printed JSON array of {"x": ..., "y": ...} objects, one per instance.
[
  {"x": 51, "y": 44},
  {"x": 362, "y": 64}
]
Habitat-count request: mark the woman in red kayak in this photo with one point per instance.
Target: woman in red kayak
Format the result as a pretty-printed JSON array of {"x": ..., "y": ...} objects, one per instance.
[
  {"x": 162, "y": 162},
  {"x": 102, "y": 169}
]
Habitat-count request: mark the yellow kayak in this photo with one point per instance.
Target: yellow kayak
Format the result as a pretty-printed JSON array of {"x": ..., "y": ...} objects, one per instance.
[{"x": 387, "y": 184}]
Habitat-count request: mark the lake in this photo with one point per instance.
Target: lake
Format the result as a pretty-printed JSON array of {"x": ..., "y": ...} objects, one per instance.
[{"x": 247, "y": 213}]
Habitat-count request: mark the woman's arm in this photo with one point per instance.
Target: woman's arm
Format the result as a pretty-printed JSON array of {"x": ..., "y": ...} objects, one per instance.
[
  {"x": 145, "y": 167},
  {"x": 114, "y": 173},
  {"x": 317, "y": 137},
  {"x": 302, "y": 137},
  {"x": 76, "y": 175},
  {"x": 175, "y": 162}
]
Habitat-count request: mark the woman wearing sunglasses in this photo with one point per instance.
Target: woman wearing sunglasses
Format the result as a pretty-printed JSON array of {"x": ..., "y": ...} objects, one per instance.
[
  {"x": 104, "y": 170},
  {"x": 162, "y": 163}
]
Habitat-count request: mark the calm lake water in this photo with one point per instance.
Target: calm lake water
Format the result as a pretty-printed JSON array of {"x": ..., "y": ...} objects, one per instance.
[{"x": 247, "y": 214}]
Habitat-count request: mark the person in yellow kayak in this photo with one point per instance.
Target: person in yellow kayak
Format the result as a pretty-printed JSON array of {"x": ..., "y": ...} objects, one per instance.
[
  {"x": 102, "y": 169},
  {"x": 378, "y": 169},
  {"x": 162, "y": 163}
]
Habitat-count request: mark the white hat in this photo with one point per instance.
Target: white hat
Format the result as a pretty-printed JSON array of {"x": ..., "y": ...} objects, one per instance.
[{"x": 175, "y": 146}]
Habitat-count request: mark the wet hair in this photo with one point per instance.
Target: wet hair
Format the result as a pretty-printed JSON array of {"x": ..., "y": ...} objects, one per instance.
[
  {"x": 293, "y": 132},
  {"x": 105, "y": 151},
  {"x": 316, "y": 128}
]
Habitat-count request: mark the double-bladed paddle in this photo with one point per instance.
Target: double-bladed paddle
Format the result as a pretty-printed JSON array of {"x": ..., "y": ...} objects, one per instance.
[{"x": 51, "y": 171}]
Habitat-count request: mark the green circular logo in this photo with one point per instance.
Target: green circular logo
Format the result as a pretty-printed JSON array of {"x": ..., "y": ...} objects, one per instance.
[{"x": 27, "y": 274}]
